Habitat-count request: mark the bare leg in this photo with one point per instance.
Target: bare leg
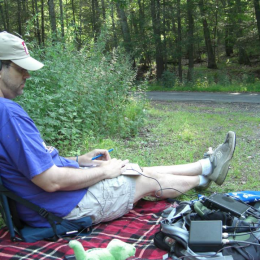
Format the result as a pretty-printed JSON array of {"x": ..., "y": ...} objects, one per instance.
[
  {"x": 187, "y": 176},
  {"x": 179, "y": 177},
  {"x": 190, "y": 169}
]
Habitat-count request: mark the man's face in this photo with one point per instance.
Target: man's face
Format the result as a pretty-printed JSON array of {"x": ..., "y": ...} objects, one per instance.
[{"x": 12, "y": 80}]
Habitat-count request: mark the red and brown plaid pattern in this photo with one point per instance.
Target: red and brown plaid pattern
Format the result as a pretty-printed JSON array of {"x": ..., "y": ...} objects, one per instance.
[{"x": 137, "y": 227}]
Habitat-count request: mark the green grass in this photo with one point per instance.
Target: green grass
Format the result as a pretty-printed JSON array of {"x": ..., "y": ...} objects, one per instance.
[
  {"x": 176, "y": 133},
  {"x": 205, "y": 86},
  {"x": 227, "y": 78}
]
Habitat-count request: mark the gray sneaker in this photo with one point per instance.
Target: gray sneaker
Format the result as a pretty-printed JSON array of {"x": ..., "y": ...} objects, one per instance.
[{"x": 221, "y": 157}]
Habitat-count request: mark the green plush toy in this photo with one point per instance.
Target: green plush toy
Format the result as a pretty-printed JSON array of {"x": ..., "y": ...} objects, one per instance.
[{"x": 115, "y": 250}]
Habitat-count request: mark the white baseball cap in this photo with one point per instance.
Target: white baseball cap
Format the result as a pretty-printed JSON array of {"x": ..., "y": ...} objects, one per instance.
[{"x": 14, "y": 48}]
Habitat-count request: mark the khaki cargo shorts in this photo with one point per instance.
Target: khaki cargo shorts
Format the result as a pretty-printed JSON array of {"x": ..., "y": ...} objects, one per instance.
[{"x": 107, "y": 200}]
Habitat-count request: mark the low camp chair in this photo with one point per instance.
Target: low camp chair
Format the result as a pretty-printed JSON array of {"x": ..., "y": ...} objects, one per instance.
[{"x": 19, "y": 231}]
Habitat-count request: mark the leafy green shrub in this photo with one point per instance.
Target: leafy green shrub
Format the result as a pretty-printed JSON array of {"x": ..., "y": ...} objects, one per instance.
[
  {"x": 168, "y": 79},
  {"x": 84, "y": 93}
]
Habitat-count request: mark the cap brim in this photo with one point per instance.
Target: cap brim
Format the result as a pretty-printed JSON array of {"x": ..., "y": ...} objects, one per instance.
[{"x": 29, "y": 63}]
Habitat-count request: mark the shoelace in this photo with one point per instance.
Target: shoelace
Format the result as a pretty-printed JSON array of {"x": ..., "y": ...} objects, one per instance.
[{"x": 208, "y": 153}]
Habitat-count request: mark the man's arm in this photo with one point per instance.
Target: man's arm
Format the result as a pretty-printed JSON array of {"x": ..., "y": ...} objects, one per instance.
[
  {"x": 64, "y": 178},
  {"x": 85, "y": 159}
]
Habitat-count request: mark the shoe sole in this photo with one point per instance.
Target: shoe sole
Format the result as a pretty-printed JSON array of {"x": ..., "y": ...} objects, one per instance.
[
  {"x": 201, "y": 188},
  {"x": 225, "y": 166}
]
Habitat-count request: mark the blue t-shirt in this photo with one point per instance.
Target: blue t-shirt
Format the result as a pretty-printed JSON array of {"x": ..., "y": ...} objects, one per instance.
[{"x": 23, "y": 155}]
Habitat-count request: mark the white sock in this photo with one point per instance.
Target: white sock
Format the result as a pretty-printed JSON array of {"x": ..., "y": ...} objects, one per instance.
[
  {"x": 203, "y": 180},
  {"x": 206, "y": 167}
]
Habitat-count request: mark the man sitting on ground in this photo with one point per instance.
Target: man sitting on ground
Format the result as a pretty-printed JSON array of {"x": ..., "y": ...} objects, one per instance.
[{"x": 37, "y": 173}]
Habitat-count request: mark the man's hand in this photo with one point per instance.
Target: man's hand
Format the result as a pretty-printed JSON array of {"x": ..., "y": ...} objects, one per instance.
[
  {"x": 112, "y": 168},
  {"x": 85, "y": 159}
]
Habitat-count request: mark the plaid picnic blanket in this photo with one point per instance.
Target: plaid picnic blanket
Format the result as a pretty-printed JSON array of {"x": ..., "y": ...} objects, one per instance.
[{"x": 137, "y": 227}]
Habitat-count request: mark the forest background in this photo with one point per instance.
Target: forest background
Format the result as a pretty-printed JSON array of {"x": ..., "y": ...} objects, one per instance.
[
  {"x": 97, "y": 53},
  {"x": 171, "y": 40}
]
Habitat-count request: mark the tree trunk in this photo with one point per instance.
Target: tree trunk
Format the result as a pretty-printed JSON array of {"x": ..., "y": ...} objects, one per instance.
[
  {"x": 164, "y": 37},
  {"x": 229, "y": 28},
  {"x": 24, "y": 12},
  {"x": 52, "y": 17},
  {"x": 125, "y": 28},
  {"x": 103, "y": 10},
  {"x": 146, "y": 59},
  {"x": 257, "y": 14},
  {"x": 75, "y": 27},
  {"x": 229, "y": 44},
  {"x": 3, "y": 18},
  {"x": 174, "y": 30},
  {"x": 155, "y": 13},
  {"x": 215, "y": 32},
  {"x": 19, "y": 20},
  {"x": 113, "y": 24},
  {"x": 38, "y": 34},
  {"x": 211, "y": 57},
  {"x": 179, "y": 49},
  {"x": 243, "y": 57},
  {"x": 6, "y": 5},
  {"x": 190, "y": 39},
  {"x": 80, "y": 24},
  {"x": 34, "y": 22},
  {"x": 42, "y": 21},
  {"x": 242, "y": 54},
  {"x": 62, "y": 19},
  {"x": 95, "y": 19}
]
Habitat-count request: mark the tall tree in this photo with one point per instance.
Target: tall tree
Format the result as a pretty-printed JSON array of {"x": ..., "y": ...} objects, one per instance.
[
  {"x": 95, "y": 18},
  {"x": 146, "y": 59},
  {"x": 19, "y": 17},
  {"x": 76, "y": 30},
  {"x": 6, "y": 7},
  {"x": 38, "y": 33},
  {"x": 211, "y": 57},
  {"x": 257, "y": 14},
  {"x": 2, "y": 17},
  {"x": 103, "y": 9},
  {"x": 62, "y": 19},
  {"x": 164, "y": 35},
  {"x": 242, "y": 54},
  {"x": 52, "y": 17},
  {"x": 179, "y": 49},
  {"x": 113, "y": 24},
  {"x": 156, "y": 20},
  {"x": 190, "y": 46},
  {"x": 124, "y": 27},
  {"x": 42, "y": 22},
  {"x": 229, "y": 26}
]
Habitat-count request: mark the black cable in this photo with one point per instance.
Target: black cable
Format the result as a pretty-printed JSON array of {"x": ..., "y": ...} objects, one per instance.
[
  {"x": 252, "y": 232},
  {"x": 132, "y": 169},
  {"x": 210, "y": 256},
  {"x": 228, "y": 227},
  {"x": 243, "y": 233},
  {"x": 245, "y": 242},
  {"x": 161, "y": 189}
]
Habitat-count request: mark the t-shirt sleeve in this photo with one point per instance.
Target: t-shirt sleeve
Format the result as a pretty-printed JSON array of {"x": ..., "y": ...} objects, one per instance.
[{"x": 24, "y": 147}]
